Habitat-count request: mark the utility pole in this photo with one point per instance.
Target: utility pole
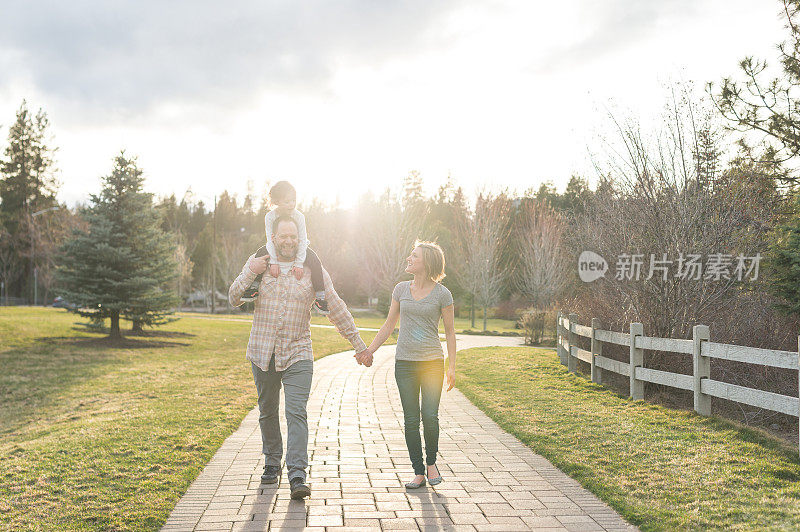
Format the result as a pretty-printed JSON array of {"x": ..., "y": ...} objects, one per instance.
[{"x": 214, "y": 260}]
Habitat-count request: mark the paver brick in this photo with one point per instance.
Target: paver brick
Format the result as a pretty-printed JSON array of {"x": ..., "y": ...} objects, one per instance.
[{"x": 359, "y": 463}]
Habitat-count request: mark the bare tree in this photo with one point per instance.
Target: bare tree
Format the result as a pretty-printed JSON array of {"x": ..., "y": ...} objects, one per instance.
[
  {"x": 47, "y": 233},
  {"x": 185, "y": 266},
  {"x": 385, "y": 238},
  {"x": 232, "y": 251},
  {"x": 482, "y": 234},
  {"x": 541, "y": 273},
  {"x": 665, "y": 202}
]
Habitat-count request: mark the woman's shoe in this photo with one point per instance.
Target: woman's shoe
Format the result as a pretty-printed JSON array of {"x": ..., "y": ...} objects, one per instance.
[
  {"x": 435, "y": 480},
  {"x": 415, "y": 485}
]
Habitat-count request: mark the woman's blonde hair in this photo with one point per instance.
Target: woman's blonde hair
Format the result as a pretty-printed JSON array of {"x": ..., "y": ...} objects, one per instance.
[{"x": 432, "y": 258}]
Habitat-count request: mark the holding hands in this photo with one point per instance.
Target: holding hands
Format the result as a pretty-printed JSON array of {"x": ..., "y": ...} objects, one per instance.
[{"x": 364, "y": 357}]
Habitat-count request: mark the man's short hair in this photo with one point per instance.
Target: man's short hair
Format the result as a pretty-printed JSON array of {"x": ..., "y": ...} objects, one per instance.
[{"x": 280, "y": 219}]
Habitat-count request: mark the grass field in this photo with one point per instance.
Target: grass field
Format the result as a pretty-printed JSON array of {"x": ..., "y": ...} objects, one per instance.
[
  {"x": 374, "y": 320},
  {"x": 101, "y": 436},
  {"x": 661, "y": 469}
]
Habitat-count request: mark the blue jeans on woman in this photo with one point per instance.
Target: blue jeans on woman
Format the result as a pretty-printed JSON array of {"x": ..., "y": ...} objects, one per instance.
[{"x": 415, "y": 378}]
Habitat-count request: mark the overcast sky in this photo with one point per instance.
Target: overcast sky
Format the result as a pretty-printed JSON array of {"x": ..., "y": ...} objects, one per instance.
[{"x": 340, "y": 97}]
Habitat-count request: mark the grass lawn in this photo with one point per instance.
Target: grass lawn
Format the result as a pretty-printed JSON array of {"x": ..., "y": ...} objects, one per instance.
[
  {"x": 100, "y": 436},
  {"x": 374, "y": 320},
  {"x": 661, "y": 469}
]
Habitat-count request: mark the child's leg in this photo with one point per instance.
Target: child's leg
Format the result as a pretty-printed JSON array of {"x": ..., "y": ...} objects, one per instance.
[{"x": 313, "y": 263}]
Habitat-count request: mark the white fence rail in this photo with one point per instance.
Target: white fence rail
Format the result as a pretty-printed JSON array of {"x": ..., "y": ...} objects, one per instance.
[{"x": 700, "y": 347}]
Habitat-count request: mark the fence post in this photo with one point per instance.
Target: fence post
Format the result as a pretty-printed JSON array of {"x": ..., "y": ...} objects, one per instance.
[
  {"x": 798, "y": 390},
  {"x": 563, "y": 339},
  {"x": 636, "y": 361},
  {"x": 702, "y": 370},
  {"x": 597, "y": 349},
  {"x": 571, "y": 362},
  {"x": 559, "y": 349}
]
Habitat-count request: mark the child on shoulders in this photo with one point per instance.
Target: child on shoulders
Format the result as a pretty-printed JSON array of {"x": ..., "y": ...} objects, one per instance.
[{"x": 283, "y": 198}]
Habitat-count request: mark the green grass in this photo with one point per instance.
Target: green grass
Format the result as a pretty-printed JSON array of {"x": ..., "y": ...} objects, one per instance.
[
  {"x": 101, "y": 436},
  {"x": 661, "y": 469},
  {"x": 374, "y": 320}
]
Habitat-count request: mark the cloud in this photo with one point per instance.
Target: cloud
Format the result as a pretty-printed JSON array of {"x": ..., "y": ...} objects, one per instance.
[
  {"x": 604, "y": 28},
  {"x": 125, "y": 57}
]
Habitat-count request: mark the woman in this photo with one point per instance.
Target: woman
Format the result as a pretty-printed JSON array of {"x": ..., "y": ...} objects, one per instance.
[{"x": 419, "y": 359}]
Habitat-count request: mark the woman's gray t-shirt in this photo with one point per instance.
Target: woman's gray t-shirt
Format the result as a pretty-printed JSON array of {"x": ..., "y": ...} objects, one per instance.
[{"x": 419, "y": 322}]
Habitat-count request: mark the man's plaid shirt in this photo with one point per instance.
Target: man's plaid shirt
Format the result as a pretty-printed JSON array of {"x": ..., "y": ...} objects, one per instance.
[{"x": 282, "y": 317}]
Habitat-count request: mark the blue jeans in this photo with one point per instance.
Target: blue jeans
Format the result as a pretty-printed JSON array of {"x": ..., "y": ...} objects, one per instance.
[
  {"x": 415, "y": 378},
  {"x": 296, "y": 382}
]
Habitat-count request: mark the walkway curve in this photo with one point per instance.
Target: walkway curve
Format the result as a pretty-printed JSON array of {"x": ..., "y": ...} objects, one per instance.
[{"x": 358, "y": 463}]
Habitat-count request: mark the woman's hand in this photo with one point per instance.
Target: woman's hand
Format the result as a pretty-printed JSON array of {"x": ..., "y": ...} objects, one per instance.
[
  {"x": 364, "y": 357},
  {"x": 451, "y": 378},
  {"x": 298, "y": 272}
]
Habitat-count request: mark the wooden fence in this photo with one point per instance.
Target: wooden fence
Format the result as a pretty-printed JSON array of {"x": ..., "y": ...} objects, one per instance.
[{"x": 700, "y": 347}]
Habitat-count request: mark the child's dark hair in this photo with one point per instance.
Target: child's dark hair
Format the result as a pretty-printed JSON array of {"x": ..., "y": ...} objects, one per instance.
[{"x": 280, "y": 190}]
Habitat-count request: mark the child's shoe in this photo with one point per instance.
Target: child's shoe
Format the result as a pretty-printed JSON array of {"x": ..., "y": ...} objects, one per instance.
[
  {"x": 251, "y": 292},
  {"x": 321, "y": 304}
]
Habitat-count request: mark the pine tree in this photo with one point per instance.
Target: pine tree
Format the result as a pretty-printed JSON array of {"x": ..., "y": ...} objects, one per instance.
[
  {"x": 27, "y": 184},
  {"x": 28, "y": 180},
  {"x": 124, "y": 265},
  {"x": 783, "y": 262}
]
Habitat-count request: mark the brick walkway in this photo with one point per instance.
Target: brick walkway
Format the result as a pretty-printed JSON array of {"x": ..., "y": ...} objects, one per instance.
[{"x": 359, "y": 462}]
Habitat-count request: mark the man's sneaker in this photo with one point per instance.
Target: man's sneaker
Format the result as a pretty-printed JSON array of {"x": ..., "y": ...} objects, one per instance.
[
  {"x": 299, "y": 488},
  {"x": 270, "y": 475},
  {"x": 322, "y": 306}
]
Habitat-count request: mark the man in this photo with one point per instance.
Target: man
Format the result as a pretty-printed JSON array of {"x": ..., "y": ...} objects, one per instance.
[{"x": 280, "y": 353}]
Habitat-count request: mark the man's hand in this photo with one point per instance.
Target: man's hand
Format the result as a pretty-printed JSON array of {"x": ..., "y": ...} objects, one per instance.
[
  {"x": 274, "y": 270},
  {"x": 298, "y": 272},
  {"x": 364, "y": 357},
  {"x": 258, "y": 265},
  {"x": 451, "y": 378}
]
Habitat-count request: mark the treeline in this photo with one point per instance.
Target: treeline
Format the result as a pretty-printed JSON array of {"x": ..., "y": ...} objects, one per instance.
[
  {"x": 363, "y": 246},
  {"x": 666, "y": 200}
]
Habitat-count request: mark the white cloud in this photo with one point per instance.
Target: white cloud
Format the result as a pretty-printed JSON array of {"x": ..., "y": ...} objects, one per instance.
[{"x": 342, "y": 96}]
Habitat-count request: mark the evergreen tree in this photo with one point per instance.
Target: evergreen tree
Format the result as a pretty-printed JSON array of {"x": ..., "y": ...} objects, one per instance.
[
  {"x": 783, "y": 262},
  {"x": 28, "y": 181},
  {"x": 124, "y": 265},
  {"x": 27, "y": 185},
  {"x": 759, "y": 103}
]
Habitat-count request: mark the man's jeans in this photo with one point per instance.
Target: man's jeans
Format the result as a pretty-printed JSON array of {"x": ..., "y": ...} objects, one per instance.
[
  {"x": 412, "y": 378},
  {"x": 296, "y": 380}
]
